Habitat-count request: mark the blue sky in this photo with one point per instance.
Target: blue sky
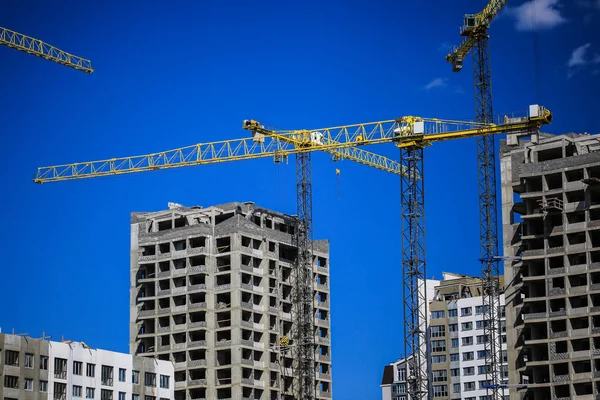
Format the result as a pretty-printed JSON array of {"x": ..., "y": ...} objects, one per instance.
[{"x": 178, "y": 73}]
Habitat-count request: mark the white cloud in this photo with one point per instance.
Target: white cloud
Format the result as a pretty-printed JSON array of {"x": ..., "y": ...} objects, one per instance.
[
  {"x": 437, "y": 82},
  {"x": 579, "y": 59},
  {"x": 578, "y": 56},
  {"x": 537, "y": 15}
]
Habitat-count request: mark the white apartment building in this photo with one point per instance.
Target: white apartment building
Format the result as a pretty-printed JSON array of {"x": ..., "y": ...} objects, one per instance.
[
  {"x": 35, "y": 369},
  {"x": 456, "y": 358}
]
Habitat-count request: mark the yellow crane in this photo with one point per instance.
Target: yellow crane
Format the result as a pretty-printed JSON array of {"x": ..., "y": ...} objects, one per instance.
[
  {"x": 410, "y": 134},
  {"x": 40, "y": 49},
  {"x": 476, "y": 39}
]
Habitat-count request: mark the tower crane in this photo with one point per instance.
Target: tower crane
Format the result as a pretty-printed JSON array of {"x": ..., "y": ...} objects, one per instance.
[
  {"x": 474, "y": 30},
  {"x": 410, "y": 134},
  {"x": 40, "y": 49}
]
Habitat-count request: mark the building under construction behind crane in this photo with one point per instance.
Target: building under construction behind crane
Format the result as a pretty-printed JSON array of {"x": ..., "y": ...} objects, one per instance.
[{"x": 213, "y": 289}]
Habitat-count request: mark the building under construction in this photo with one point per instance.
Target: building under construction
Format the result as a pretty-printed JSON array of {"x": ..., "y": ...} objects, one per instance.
[
  {"x": 212, "y": 290},
  {"x": 551, "y": 225}
]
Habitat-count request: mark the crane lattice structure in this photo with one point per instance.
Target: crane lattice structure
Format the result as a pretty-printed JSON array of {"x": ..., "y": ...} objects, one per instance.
[
  {"x": 410, "y": 134},
  {"x": 474, "y": 30},
  {"x": 40, "y": 49}
]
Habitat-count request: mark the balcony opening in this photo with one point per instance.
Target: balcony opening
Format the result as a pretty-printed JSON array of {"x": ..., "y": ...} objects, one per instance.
[
  {"x": 197, "y": 261},
  {"x": 223, "y": 337},
  {"x": 179, "y": 301},
  {"x": 148, "y": 251},
  {"x": 180, "y": 376},
  {"x": 595, "y": 238},
  {"x": 197, "y": 242},
  {"x": 576, "y": 217},
  {"x": 594, "y": 193},
  {"x": 533, "y": 227},
  {"x": 575, "y": 196},
  {"x": 179, "y": 319},
  {"x": 558, "y": 326},
  {"x": 576, "y": 259},
  {"x": 549, "y": 154},
  {"x": 164, "y": 248},
  {"x": 198, "y": 355},
  {"x": 224, "y": 244},
  {"x": 534, "y": 268},
  {"x": 199, "y": 394},
  {"x": 582, "y": 367},
  {"x": 555, "y": 242},
  {"x": 223, "y": 264},
  {"x": 179, "y": 356},
  {"x": 574, "y": 175},
  {"x": 179, "y": 282},
  {"x": 224, "y": 320},
  {"x": 179, "y": 264},
  {"x": 223, "y": 357},
  {"x": 578, "y": 302},
  {"x": 595, "y": 301},
  {"x": 164, "y": 304},
  {"x": 197, "y": 298},
  {"x": 581, "y": 344},
  {"x": 287, "y": 253},
  {"x": 164, "y": 284},
  {"x": 197, "y": 336},
  {"x": 554, "y": 181},
  {"x": 577, "y": 280},
  {"x": 562, "y": 392},
  {"x": 197, "y": 374},
  {"x": 165, "y": 340},
  {"x": 179, "y": 338},
  {"x": 576, "y": 238},
  {"x": 558, "y": 283},
  {"x": 223, "y": 300},
  {"x": 594, "y": 214},
  {"x": 556, "y": 262},
  {"x": 223, "y": 378},
  {"x": 583, "y": 389},
  {"x": 579, "y": 323},
  {"x": 534, "y": 244},
  {"x": 179, "y": 245},
  {"x": 557, "y": 305},
  {"x": 561, "y": 369},
  {"x": 222, "y": 280},
  {"x": 595, "y": 256},
  {"x": 165, "y": 225},
  {"x": 533, "y": 184}
]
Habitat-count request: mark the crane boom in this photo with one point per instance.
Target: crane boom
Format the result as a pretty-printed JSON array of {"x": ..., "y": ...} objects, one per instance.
[
  {"x": 341, "y": 141},
  {"x": 40, "y": 49}
]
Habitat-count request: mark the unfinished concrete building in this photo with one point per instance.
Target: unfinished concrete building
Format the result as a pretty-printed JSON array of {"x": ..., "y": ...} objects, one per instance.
[
  {"x": 211, "y": 290},
  {"x": 551, "y": 224}
]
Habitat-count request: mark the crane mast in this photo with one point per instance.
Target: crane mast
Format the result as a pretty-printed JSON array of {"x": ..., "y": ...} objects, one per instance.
[
  {"x": 476, "y": 38},
  {"x": 40, "y": 49}
]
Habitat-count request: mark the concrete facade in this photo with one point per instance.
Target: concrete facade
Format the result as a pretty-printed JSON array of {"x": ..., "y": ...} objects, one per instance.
[
  {"x": 456, "y": 358},
  {"x": 37, "y": 369},
  {"x": 551, "y": 224},
  {"x": 211, "y": 290}
]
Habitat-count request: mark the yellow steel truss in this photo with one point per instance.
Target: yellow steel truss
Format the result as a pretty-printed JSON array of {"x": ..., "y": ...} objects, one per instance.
[
  {"x": 340, "y": 141},
  {"x": 40, "y": 49},
  {"x": 481, "y": 22}
]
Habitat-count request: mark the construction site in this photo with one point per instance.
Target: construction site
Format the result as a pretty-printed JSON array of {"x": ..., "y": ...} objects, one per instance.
[{"x": 225, "y": 259}]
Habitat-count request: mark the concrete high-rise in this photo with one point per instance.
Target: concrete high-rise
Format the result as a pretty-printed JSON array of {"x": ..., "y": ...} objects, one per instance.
[
  {"x": 551, "y": 226},
  {"x": 212, "y": 290}
]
